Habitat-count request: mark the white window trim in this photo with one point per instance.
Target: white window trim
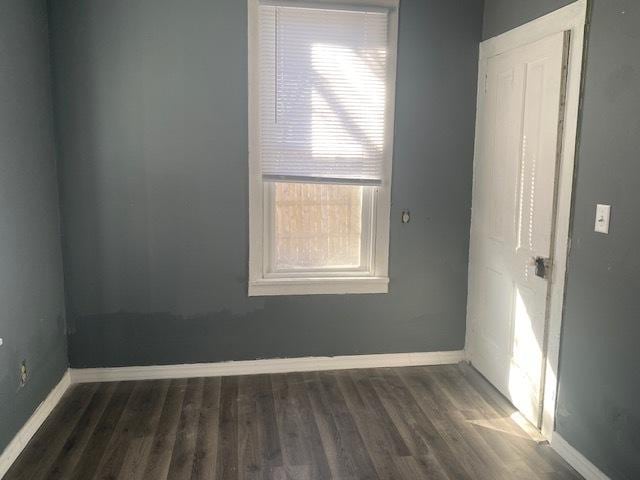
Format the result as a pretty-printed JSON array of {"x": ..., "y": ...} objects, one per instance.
[{"x": 377, "y": 281}]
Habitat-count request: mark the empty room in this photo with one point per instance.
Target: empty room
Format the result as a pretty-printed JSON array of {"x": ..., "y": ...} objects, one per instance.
[{"x": 320, "y": 239}]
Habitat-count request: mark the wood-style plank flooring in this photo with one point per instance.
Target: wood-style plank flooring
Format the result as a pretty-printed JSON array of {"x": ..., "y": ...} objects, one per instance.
[{"x": 443, "y": 422}]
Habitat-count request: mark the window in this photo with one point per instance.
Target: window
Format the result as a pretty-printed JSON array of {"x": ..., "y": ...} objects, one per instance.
[{"x": 321, "y": 101}]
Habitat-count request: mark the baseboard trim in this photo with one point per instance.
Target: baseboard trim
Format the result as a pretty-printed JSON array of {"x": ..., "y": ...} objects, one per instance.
[
  {"x": 253, "y": 367},
  {"x": 15, "y": 447},
  {"x": 574, "y": 458}
]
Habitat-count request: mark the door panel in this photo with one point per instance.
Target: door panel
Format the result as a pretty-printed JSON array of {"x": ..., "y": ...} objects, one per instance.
[{"x": 512, "y": 219}]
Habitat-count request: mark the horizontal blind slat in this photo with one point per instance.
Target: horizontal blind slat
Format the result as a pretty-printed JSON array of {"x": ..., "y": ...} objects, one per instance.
[{"x": 322, "y": 94}]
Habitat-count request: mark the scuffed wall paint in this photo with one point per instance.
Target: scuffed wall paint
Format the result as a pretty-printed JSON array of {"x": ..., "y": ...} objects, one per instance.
[
  {"x": 152, "y": 113},
  {"x": 31, "y": 282},
  {"x": 124, "y": 339}
]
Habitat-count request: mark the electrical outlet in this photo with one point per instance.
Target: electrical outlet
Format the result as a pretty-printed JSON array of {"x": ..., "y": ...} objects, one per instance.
[{"x": 23, "y": 373}]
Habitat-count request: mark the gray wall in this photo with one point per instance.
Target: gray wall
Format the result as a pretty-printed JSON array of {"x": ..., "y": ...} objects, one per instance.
[
  {"x": 31, "y": 292},
  {"x": 503, "y": 15},
  {"x": 151, "y": 103},
  {"x": 598, "y": 407}
]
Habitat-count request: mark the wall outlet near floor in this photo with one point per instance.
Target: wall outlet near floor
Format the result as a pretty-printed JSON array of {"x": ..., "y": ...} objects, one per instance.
[{"x": 23, "y": 373}]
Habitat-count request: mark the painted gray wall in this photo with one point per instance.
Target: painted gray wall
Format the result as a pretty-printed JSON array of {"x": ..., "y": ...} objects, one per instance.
[
  {"x": 598, "y": 408},
  {"x": 151, "y": 103},
  {"x": 31, "y": 291},
  {"x": 503, "y": 15}
]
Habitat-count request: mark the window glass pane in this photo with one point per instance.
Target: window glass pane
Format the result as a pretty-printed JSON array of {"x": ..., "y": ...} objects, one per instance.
[{"x": 317, "y": 226}]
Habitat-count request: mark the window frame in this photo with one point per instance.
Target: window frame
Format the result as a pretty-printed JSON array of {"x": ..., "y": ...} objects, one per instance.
[{"x": 374, "y": 279}]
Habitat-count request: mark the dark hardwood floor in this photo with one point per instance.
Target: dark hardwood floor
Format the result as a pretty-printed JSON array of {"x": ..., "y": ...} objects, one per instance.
[{"x": 443, "y": 422}]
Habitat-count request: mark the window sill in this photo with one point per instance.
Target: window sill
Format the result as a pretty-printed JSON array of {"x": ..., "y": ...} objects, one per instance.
[{"x": 318, "y": 286}]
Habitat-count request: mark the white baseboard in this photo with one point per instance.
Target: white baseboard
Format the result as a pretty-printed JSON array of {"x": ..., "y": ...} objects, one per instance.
[
  {"x": 15, "y": 447},
  {"x": 252, "y": 367},
  {"x": 574, "y": 458}
]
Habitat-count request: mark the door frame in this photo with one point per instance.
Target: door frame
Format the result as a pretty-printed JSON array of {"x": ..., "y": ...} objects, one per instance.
[{"x": 572, "y": 19}]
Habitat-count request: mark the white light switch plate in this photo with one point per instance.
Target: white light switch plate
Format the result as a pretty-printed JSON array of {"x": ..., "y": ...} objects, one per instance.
[{"x": 603, "y": 213}]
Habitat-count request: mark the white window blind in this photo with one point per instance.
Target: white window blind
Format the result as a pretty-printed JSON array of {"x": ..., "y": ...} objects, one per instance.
[{"x": 323, "y": 94}]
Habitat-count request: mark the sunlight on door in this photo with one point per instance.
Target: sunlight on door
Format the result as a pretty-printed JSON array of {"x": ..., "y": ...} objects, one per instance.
[
  {"x": 526, "y": 355},
  {"x": 514, "y": 189}
]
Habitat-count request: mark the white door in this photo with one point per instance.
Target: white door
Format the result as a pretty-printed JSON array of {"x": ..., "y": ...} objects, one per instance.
[{"x": 513, "y": 218}]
